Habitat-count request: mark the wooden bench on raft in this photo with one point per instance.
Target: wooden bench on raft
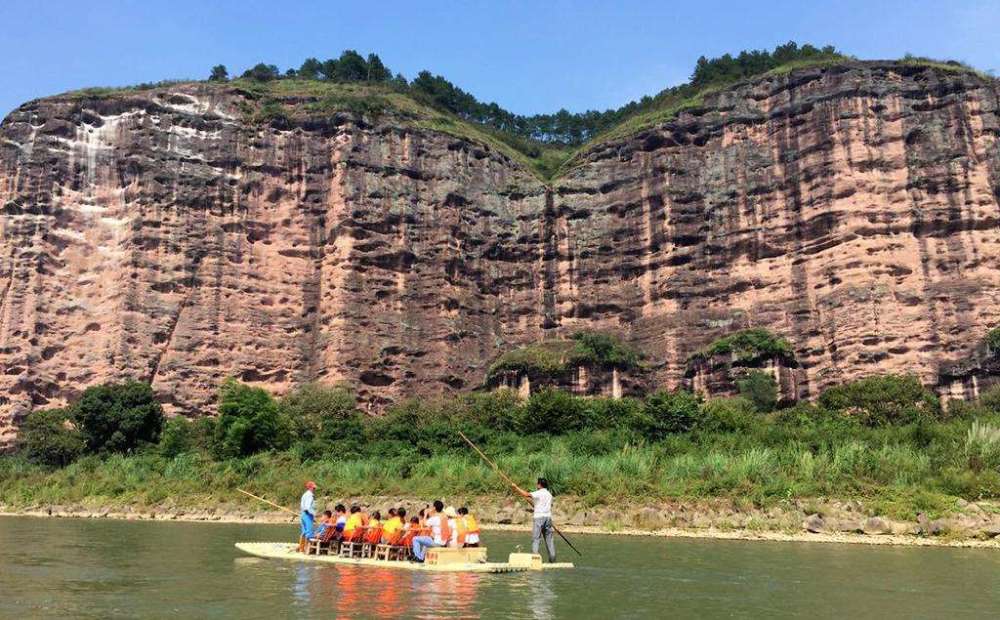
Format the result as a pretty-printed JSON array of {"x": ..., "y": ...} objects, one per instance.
[
  {"x": 323, "y": 544},
  {"x": 399, "y": 548},
  {"x": 372, "y": 538},
  {"x": 351, "y": 546}
]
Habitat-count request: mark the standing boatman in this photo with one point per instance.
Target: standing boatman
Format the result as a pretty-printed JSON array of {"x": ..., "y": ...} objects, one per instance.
[
  {"x": 541, "y": 500},
  {"x": 307, "y": 509}
]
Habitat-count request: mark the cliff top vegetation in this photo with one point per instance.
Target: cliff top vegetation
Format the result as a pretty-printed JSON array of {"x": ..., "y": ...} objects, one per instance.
[{"x": 545, "y": 144}]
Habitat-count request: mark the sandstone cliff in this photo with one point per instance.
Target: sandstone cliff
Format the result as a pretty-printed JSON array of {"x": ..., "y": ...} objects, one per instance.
[{"x": 174, "y": 236}]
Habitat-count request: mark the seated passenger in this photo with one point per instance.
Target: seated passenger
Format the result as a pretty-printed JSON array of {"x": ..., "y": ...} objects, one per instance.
[
  {"x": 440, "y": 534},
  {"x": 469, "y": 528},
  {"x": 392, "y": 529},
  {"x": 323, "y": 524},
  {"x": 373, "y": 535},
  {"x": 340, "y": 518},
  {"x": 412, "y": 531},
  {"x": 353, "y": 523}
]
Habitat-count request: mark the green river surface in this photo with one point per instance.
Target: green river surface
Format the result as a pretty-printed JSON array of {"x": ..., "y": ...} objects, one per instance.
[{"x": 76, "y": 568}]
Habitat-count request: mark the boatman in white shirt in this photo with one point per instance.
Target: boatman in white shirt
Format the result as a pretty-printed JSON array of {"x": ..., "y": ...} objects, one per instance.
[
  {"x": 307, "y": 510},
  {"x": 541, "y": 526}
]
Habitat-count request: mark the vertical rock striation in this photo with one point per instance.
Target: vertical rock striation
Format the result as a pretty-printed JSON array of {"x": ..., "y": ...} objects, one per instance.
[{"x": 853, "y": 210}]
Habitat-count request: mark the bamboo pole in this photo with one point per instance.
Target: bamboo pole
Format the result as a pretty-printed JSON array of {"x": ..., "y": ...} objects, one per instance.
[
  {"x": 267, "y": 501},
  {"x": 513, "y": 484}
]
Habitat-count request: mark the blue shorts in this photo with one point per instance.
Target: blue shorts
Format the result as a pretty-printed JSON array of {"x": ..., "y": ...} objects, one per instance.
[{"x": 307, "y": 524}]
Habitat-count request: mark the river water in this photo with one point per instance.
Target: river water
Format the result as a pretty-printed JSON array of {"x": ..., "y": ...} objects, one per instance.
[{"x": 70, "y": 568}]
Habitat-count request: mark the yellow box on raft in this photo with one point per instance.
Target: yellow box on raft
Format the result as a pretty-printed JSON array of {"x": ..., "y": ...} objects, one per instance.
[
  {"x": 532, "y": 561},
  {"x": 442, "y": 556}
]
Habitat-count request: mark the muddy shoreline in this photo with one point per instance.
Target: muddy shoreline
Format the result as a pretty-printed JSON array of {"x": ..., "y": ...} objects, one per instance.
[{"x": 970, "y": 525}]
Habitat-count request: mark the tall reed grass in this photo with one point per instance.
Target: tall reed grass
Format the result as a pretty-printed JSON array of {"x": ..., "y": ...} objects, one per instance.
[{"x": 770, "y": 461}]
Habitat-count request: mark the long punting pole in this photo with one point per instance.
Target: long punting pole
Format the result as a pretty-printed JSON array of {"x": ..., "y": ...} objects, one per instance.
[
  {"x": 267, "y": 501},
  {"x": 511, "y": 483}
]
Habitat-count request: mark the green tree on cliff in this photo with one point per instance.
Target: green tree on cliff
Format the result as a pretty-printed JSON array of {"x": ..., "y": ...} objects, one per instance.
[
  {"x": 377, "y": 72},
  {"x": 310, "y": 69},
  {"x": 262, "y": 73},
  {"x": 219, "y": 74}
]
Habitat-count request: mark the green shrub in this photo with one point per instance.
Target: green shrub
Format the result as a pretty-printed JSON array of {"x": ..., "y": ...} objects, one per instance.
[
  {"x": 963, "y": 410},
  {"x": 885, "y": 399},
  {"x": 760, "y": 388},
  {"x": 748, "y": 344},
  {"x": 611, "y": 413},
  {"x": 49, "y": 438},
  {"x": 499, "y": 410},
  {"x": 249, "y": 422},
  {"x": 728, "y": 415},
  {"x": 990, "y": 399},
  {"x": 556, "y": 358},
  {"x": 312, "y": 409},
  {"x": 546, "y": 359},
  {"x": 118, "y": 417},
  {"x": 178, "y": 437},
  {"x": 992, "y": 339},
  {"x": 982, "y": 447},
  {"x": 669, "y": 412},
  {"x": 604, "y": 350},
  {"x": 552, "y": 411}
]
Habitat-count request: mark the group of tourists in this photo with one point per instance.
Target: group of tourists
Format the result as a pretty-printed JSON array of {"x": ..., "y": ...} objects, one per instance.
[{"x": 435, "y": 525}]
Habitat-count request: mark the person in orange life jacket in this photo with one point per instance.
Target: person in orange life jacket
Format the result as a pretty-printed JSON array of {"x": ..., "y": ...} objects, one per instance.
[
  {"x": 468, "y": 529},
  {"x": 394, "y": 526},
  {"x": 439, "y": 532},
  {"x": 353, "y": 522},
  {"x": 373, "y": 530},
  {"x": 410, "y": 531},
  {"x": 413, "y": 526}
]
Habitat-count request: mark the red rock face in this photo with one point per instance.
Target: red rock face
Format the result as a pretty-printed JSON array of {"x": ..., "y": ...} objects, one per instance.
[
  {"x": 853, "y": 211},
  {"x": 157, "y": 235}
]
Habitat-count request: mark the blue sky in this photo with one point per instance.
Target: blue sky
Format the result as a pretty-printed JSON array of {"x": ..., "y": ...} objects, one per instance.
[{"x": 528, "y": 56}]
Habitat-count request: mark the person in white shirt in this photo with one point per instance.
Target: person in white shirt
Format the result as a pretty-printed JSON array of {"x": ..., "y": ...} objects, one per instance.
[
  {"x": 541, "y": 526},
  {"x": 439, "y": 532},
  {"x": 307, "y": 509}
]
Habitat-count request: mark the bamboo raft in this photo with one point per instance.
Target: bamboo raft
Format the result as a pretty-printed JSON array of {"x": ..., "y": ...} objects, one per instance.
[{"x": 439, "y": 560}]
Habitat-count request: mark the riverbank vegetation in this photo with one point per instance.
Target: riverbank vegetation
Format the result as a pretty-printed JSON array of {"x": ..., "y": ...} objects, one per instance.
[{"x": 883, "y": 440}]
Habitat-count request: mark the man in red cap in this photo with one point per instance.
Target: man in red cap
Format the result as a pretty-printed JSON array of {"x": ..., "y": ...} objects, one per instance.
[{"x": 307, "y": 507}]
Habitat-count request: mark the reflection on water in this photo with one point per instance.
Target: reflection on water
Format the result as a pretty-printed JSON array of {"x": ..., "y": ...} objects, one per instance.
[
  {"x": 541, "y": 598},
  {"x": 346, "y": 591},
  {"x": 105, "y": 569}
]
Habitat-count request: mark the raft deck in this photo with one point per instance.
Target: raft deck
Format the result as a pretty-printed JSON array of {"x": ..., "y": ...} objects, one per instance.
[{"x": 288, "y": 551}]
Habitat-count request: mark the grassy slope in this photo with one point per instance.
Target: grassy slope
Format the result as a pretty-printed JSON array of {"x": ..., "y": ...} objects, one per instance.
[{"x": 301, "y": 98}]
